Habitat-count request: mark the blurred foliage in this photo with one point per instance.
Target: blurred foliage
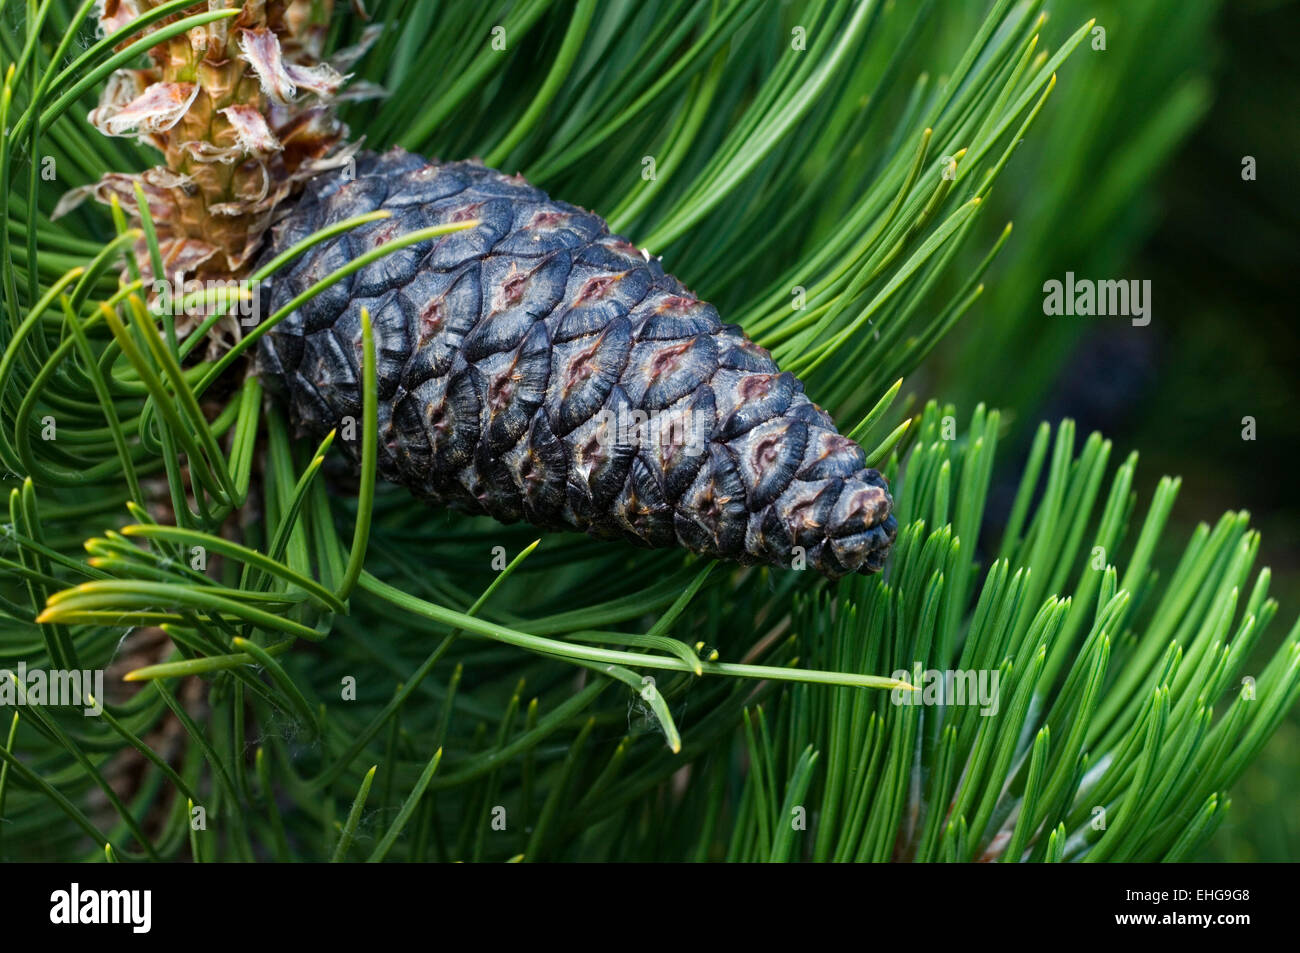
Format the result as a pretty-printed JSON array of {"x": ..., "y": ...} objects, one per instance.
[{"x": 1182, "y": 94}]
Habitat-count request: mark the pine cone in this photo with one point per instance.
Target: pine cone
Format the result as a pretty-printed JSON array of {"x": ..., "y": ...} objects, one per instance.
[{"x": 537, "y": 367}]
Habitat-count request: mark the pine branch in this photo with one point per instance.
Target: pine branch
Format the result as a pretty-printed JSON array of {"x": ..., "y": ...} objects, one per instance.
[{"x": 266, "y": 633}]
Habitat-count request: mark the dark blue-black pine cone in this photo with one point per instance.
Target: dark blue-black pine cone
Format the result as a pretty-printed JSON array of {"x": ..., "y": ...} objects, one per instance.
[{"x": 513, "y": 359}]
